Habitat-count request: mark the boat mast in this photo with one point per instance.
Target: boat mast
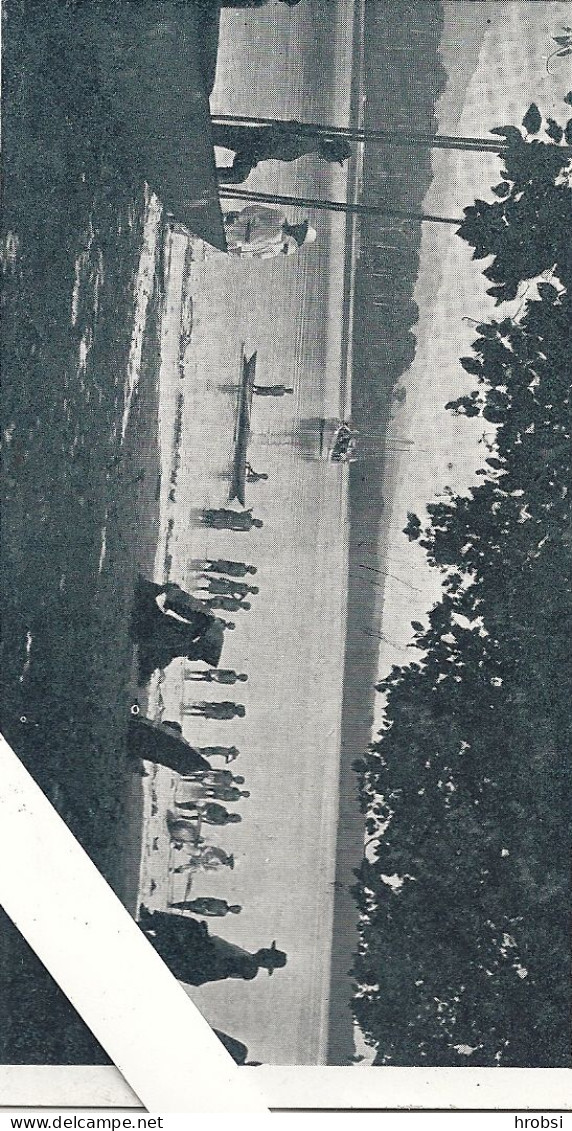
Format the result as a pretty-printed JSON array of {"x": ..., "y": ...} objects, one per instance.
[
  {"x": 384, "y": 137},
  {"x": 227, "y": 192},
  {"x": 412, "y": 138}
]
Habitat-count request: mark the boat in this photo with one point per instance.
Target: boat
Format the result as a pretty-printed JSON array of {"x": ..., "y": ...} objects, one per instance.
[
  {"x": 163, "y": 744},
  {"x": 156, "y": 64},
  {"x": 343, "y": 446},
  {"x": 242, "y": 429}
]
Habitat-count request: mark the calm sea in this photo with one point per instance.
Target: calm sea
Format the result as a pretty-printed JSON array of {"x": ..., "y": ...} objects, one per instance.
[{"x": 292, "y": 641}]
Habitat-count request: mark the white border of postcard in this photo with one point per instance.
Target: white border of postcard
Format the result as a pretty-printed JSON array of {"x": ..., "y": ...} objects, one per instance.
[
  {"x": 168, "y": 1059},
  {"x": 453, "y": 1089}
]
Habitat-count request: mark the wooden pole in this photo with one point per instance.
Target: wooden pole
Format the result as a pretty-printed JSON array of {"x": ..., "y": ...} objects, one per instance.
[
  {"x": 230, "y": 193},
  {"x": 387, "y": 137}
]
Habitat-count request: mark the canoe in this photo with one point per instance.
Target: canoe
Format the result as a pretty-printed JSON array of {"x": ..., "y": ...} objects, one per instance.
[
  {"x": 155, "y": 743},
  {"x": 242, "y": 430},
  {"x": 156, "y": 61}
]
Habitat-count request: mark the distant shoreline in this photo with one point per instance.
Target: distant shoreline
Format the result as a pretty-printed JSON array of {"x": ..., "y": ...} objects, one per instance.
[{"x": 383, "y": 347}]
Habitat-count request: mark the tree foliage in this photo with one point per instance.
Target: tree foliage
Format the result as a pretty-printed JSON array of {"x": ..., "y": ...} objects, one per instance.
[
  {"x": 464, "y": 954},
  {"x": 526, "y": 231}
]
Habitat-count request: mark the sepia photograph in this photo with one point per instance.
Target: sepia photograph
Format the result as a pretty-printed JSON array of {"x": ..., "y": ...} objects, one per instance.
[{"x": 286, "y": 529}]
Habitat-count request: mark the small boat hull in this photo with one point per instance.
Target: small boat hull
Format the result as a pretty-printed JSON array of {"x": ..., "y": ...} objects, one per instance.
[
  {"x": 242, "y": 431},
  {"x": 154, "y": 743}
]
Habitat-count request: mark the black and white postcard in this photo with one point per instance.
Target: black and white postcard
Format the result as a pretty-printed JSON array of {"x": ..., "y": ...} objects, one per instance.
[{"x": 286, "y": 608}]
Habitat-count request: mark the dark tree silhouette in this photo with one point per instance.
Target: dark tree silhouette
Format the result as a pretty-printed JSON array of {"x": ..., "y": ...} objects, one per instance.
[
  {"x": 527, "y": 231},
  {"x": 464, "y": 954}
]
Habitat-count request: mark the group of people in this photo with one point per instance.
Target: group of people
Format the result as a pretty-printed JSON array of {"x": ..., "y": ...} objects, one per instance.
[
  {"x": 206, "y": 790},
  {"x": 204, "y": 793},
  {"x": 168, "y": 622},
  {"x": 185, "y": 943},
  {"x": 205, "y": 857},
  {"x": 257, "y": 231},
  {"x": 221, "y": 583},
  {"x": 230, "y": 594},
  {"x": 194, "y": 955},
  {"x": 224, "y": 580},
  {"x": 221, "y": 579}
]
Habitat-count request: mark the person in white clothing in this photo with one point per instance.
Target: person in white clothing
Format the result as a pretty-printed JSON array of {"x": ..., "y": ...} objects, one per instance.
[{"x": 258, "y": 232}]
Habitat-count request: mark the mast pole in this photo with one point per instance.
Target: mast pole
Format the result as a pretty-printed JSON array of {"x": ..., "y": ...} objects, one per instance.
[
  {"x": 388, "y": 137},
  {"x": 227, "y": 192},
  {"x": 411, "y": 138}
]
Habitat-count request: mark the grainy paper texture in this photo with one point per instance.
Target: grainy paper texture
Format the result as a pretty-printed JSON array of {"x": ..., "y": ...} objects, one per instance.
[{"x": 285, "y": 546}]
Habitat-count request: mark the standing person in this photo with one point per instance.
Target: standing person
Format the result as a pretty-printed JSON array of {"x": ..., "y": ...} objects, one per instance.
[
  {"x": 229, "y": 753},
  {"x": 218, "y": 585},
  {"x": 195, "y": 956},
  {"x": 225, "y": 676},
  {"x": 258, "y": 232},
  {"x": 213, "y": 858},
  {"x": 277, "y": 141},
  {"x": 222, "y": 585},
  {"x": 225, "y": 792},
  {"x": 221, "y": 518},
  {"x": 231, "y": 604},
  {"x": 214, "y": 777},
  {"x": 210, "y": 813},
  {"x": 232, "y": 569},
  {"x": 207, "y": 905},
  {"x": 223, "y": 710},
  {"x": 183, "y": 832},
  {"x": 206, "y": 856},
  {"x": 271, "y": 390},
  {"x": 238, "y": 588},
  {"x": 242, "y": 589}
]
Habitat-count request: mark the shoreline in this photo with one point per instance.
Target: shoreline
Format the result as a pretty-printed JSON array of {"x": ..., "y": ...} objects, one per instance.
[
  {"x": 176, "y": 258},
  {"x": 383, "y": 348}
]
